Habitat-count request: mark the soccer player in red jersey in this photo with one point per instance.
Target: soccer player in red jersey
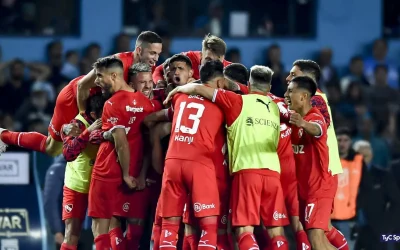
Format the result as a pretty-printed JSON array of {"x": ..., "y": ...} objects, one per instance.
[
  {"x": 311, "y": 69},
  {"x": 196, "y": 125},
  {"x": 140, "y": 79},
  {"x": 256, "y": 189},
  {"x": 118, "y": 167},
  {"x": 147, "y": 50},
  {"x": 262, "y": 74},
  {"x": 80, "y": 155},
  {"x": 72, "y": 99},
  {"x": 317, "y": 186},
  {"x": 213, "y": 48}
]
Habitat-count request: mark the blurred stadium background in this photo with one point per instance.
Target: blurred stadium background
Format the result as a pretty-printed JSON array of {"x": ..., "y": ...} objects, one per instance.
[{"x": 44, "y": 44}]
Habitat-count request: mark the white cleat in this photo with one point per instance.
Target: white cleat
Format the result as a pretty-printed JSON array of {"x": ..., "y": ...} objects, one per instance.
[{"x": 3, "y": 146}]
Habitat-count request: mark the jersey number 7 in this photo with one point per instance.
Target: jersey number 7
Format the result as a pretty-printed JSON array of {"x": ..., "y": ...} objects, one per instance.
[{"x": 195, "y": 117}]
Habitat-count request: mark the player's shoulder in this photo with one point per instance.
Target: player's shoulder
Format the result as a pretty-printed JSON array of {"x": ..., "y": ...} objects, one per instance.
[
  {"x": 314, "y": 114},
  {"x": 124, "y": 55}
]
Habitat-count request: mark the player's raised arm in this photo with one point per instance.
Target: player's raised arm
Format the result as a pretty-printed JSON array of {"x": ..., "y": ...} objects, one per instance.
[
  {"x": 84, "y": 86},
  {"x": 312, "y": 128}
]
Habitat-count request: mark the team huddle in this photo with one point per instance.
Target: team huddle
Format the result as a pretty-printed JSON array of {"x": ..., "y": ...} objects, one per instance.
[{"x": 200, "y": 140}]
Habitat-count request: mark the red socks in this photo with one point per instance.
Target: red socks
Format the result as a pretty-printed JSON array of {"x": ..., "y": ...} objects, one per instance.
[
  {"x": 302, "y": 242},
  {"x": 29, "y": 140},
  {"x": 133, "y": 235},
  {"x": 223, "y": 242},
  {"x": 190, "y": 242},
  {"x": 64, "y": 246},
  {"x": 169, "y": 234},
  {"x": 117, "y": 239},
  {"x": 337, "y": 239},
  {"x": 102, "y": 242},
  {"x": 156, "y": 236},
  {"x": 279, "y": 243},
  {"x": 247, "y": 241},
  {"x": 209, "y": 231}
]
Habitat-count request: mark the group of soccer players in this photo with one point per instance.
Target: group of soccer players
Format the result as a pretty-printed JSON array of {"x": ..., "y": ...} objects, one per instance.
[{"x": 240, "y": 163}]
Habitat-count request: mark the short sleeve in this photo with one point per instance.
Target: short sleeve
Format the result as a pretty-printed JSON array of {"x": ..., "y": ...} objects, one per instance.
[
  {"x": 319, "y": 103},
  {"x": 320, "y": 121},
  {"x": 230, "y": 103},
  {"x": 113, "y": 116},
  {"x": 169, "y": 113}
]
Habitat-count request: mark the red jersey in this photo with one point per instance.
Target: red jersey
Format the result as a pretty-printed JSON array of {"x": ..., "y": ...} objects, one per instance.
[
  {"x": 128, "y": 59},
  {"x": 74, "y": 85},
  {"x": 196, "y": 124},
  {"x": 219, "y": 158},
  {"x": 123, "y": 110},
  {"x": 158, "y": 98},
  {"x": 285, "y": 144},
  {"x": 312, "y": 159},
  {"x": 194, "y": 56}
]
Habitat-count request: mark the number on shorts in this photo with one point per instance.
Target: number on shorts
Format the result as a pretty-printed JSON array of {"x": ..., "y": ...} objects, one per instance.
[
  {"x": 194, "y": 117},
  {"x": 308, "y": 212}
]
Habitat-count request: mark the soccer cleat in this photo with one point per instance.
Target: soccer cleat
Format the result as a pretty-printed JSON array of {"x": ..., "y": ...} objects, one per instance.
[{"x": 3, "y": 146}]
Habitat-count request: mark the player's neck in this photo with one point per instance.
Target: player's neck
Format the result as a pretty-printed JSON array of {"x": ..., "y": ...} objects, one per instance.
[
  {"x": 305, "y": 109},
  {"x": 136, "y": 57}
]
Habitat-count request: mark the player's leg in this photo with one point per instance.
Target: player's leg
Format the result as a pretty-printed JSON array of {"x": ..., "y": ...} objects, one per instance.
[
  {"x": 203, "y": 186},
  {"x": 156, "y": 231},
  {"x": 136, "y": 218},
  {"x": 116, "y": 234},
  {"x": 317, "y": 214},
  {"x": 173, "y": 197},
  {"x": 336, "y": 238},
  {"x": 273, "y": 212},
  {"x": 101, "y": 206},
  {"x": 245, "y": 207},
  {"x": 64, "y": 111},
  {"x": 74, "y": 212},
  {"x": 223, "y": 238},
  {"x": 190, "y": 238}
]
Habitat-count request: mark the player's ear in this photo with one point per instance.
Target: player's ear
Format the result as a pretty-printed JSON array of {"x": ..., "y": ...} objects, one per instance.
[{"x": 190, "y": 73}]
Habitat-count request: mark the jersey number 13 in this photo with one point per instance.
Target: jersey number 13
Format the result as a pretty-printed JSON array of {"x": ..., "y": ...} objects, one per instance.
[{"x": 194, "y": 117}]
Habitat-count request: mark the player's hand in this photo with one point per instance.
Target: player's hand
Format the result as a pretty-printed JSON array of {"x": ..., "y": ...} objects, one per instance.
[
  {"x": 59, "y": 238},
  {"x": 95, "y": 125},
  {"x": 296, "y": 119},
  {"x": 131, "y": 182},
  {"x": 141, "y": 183},
  {"x": 186, "y": 89},
  {"x": 149, "y": 182},
  {"x": 71, "y": 129},
  {"x": 96, "y": 137}
]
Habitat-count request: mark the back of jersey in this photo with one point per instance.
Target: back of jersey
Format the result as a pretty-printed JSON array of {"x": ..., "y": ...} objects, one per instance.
[{"x": 196, "y": 124}]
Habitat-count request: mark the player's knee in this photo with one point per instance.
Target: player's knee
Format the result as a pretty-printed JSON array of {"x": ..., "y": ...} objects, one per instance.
[
  {"x": 296, "y": 224},
  {"x": 114, "y": 223},
  {"x": 135, "y": 221},
  {"x": 275, "y": 231},
  {"x": 240, "y": 230},
  {"x": 53, "y": 147},
  {"x": 100, "y": 226},
  {"x": 190, "y": 230},
  {"x": 317, "y": 238}
]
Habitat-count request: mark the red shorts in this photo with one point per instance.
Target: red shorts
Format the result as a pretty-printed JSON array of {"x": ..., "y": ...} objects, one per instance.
[
  {"x": 316, "y": 212},
  {"x": 131, "y": 203},
  {"x": 255, "y": 194},
  {"x": 224, "y": 192},
  {"x": 103, "y": 198},
  {"x": 65, "y": 110},
  {"x": 75, "y": 204},
  {"x": 182, "y": 177},
  {"x": 289, "y": 185}
]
